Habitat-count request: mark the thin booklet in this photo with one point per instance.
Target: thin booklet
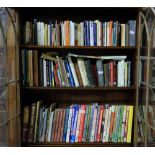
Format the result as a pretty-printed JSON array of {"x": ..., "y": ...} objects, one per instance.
[{"x": 98, "y": 57}]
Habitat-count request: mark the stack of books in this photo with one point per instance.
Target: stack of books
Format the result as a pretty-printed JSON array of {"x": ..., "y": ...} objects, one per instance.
[
  {"x": 77, "y": 123},
  {"x": 85, "y": 33},
  {"x": 75, "y": 70}
]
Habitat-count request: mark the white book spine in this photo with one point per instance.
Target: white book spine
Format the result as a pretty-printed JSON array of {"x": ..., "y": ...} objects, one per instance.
[
  {"x": 72, "y": 33},
  {"x": 73, "y": 72},
  {"x": 99, "y": 33},
  {"x": 107, "y": 34},
  {"x": 45, "y": 78},
  {"x": 108, "y": 124},
  {"x": 48, "y": 34},
  {"x": 50, "y": 126},
  {"x": 125, "y": 74},
  {"x": 38, "y": 33},
  {"x": 105, "y": 125},
  {"x": 120, "y": 73},
  {"x": 69, "y": 125},
  {"x": 83, "y": 73},
  {"x": 42, "y": 33},
  {"x": 78, "y": 125},
  {"x": 82, "y": 34},
  {"x": 91, "y": 34}
]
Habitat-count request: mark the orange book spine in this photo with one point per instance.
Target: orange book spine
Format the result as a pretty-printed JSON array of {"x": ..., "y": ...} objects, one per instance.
[
  {"x": 110, "y": 33},
  {"x": 82, "y": 118},
  {"x": 100, "y": 123},
  {"x": 67, "y": 33}
]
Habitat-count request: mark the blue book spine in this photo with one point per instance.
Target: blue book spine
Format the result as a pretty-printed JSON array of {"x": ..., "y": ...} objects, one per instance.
[
  {"x": 66, "y": 124},
  {"x": 71, "y": 75},
  {"x": 88, "y": 32},
  {"x": 74, "y": 123},
  {"x": 132, "y": 32},
  {"x": 51, "y": 33},
  {"x": 68, "y": 74},
  {"x": 95, "y": 33},
  {"x": 85, "y": 33}
]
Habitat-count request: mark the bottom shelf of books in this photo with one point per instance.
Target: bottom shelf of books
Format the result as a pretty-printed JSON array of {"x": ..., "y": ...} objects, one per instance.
[{"x": 77, "y": 124}]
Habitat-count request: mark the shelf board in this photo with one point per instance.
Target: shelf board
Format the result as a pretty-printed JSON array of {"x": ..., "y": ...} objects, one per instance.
[
  {"x": 78, "y": 88},
  {"x": 76, "y": 47},
  {"x": 82, "y": 144}
]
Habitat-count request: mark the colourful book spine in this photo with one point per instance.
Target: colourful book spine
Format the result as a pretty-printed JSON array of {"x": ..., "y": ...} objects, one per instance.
[
  {"x": 69, "y": 74},
  {"x": 85, "y": 125},
  {"x": 130, "y": 124},
  {"x": 69, "y": 123},
  {"x": 66, "y": 124},
  {"x": 100, "y": 123},
  {"x": 72, "y": 137},
  {"x": 81, "y": 129},
  {"x": 75, "y": 123}
]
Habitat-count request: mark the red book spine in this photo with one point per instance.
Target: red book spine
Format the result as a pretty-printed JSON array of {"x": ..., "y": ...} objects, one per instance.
[
  {"x": 82, "y": 118},
  {"x": 100, "y": 123},
  {"x": 110, "y": 33},
  {"x": 56, "y": 76}
]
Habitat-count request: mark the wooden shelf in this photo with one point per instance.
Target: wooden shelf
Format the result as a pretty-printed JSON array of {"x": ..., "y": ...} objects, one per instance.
[
  {"x": 82, "y": 144},
  {"x": 77, "y": 47},
  {"x": 78, "y": 88}
]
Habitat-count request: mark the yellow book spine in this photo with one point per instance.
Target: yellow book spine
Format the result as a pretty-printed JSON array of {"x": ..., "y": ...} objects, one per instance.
[{"x": 130, "y": 124}]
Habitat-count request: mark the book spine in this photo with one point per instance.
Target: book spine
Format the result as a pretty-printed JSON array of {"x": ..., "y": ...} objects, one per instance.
[
  {"x": 69, "y": 124},
  {"x": 66, "y": 125},
  {"x": 73, "y": 72},
  {"x": 99, "y": 66},
  {"x": 130, "y": 119},
  {"x": 81, "y": 129},
  {"x": 132, "y": 33},
  {"x": 100, "y": 124},
  {"x": 69, "y": 74}
]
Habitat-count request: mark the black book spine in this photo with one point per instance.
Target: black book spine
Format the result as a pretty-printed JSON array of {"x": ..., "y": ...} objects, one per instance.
[
  {"x": 89, "y": 73},
  {"x": 41, "y": 72}
]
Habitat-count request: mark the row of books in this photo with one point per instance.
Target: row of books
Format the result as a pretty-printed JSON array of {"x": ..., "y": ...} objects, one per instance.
[
  {"x": 77, "y": 123},
  {"x": 87, "y": 33},
  {"x": 142, "y": 124},
  {"x": 75, "y": 70}
]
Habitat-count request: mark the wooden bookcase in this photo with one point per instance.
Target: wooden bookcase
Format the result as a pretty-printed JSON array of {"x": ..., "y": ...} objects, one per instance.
[{"x": 117, "y": 95}]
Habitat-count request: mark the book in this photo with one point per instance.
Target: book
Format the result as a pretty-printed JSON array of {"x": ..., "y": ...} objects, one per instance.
[
  {"x": 130, "y": 119},
  {"x": 83, "y": 73},
  {"x": 132, "y": 32},
  {"x": 99, "y": 66},
  {"x": 89, "y": 72}
]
